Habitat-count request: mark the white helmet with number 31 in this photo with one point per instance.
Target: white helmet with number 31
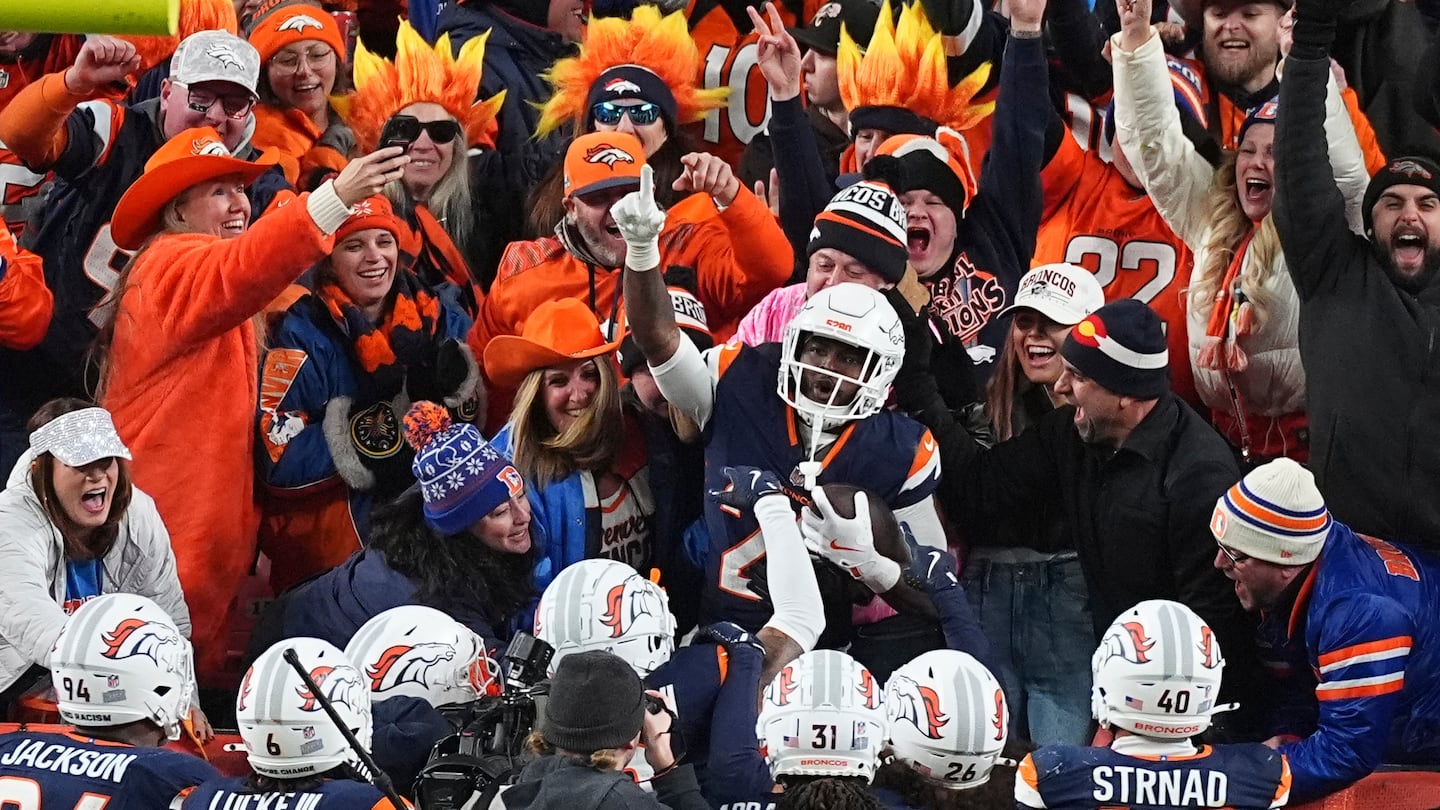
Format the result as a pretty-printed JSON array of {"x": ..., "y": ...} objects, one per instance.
[
  {"x": 823, "y": 715},
  {"x": 287, "y": 733},
  {"x": 855, "y": 315},
  {"x": 947, "y": 718},
  {"x": 1157, "y": 672},
  {"x": 121, "y": 659},
  {"x": 418, "y": 651},
  {"x": 605, "y": 605}
]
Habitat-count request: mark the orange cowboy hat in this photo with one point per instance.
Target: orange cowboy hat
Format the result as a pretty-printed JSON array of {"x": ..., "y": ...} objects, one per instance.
[
  {"x": 556, "y": 332},
  {"x": 191, "y": 157}
]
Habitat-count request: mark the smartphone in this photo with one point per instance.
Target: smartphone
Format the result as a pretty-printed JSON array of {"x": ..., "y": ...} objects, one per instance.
[{"x": 400, "y": 130}]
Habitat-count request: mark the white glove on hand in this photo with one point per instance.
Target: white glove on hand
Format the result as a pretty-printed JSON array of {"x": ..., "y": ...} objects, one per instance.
[
  {"x": 848, "y": 542},
  {"x": 640, "y": 221}
]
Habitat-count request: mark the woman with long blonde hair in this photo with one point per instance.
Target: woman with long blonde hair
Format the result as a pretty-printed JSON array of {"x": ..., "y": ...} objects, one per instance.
[
  {"x": 583, "y": 458},
  {"x": 1242, "y": 311}
]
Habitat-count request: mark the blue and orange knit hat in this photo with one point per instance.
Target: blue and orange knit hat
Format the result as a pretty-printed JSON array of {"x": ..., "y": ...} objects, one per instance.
[
  {"x": 462, "y": 477},
  {"x": 1274, "y": 514},
  {"x": 1122, "y": 347}
]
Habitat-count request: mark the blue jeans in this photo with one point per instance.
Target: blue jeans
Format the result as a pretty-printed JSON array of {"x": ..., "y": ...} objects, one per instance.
[{"x": 1037, "y": 618}]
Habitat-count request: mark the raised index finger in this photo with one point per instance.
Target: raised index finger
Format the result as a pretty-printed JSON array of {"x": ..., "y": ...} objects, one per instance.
[{"x": 647, "y": 185}]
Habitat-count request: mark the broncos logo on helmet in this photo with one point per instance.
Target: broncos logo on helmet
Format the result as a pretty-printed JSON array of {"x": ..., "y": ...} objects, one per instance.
[
  {"x": 241, "y": 704},
  {"x": 1133, "y": 645},
  {"x": 867, "y": 688},
  {"x": 407, "y": 663},
  {"x": 617, "y": 617},
  {"x": 912, "y": 699},
  {"x": 998, "y": 721},
  {"x": 784, "y": 687},
  {"x": 1209, "y": 650},
  {"x": 158, "y": 642},
  {"x": 341, "y": 685}
]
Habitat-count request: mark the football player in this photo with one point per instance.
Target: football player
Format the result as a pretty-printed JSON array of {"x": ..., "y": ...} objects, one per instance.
[
  {"x": 123, "y": 676},
  {"x": 298, "y": 756},
  {"x": 1156, "y": 679}
]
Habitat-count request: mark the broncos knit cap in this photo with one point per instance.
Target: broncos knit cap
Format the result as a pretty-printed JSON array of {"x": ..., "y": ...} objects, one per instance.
[
  {"x": 624, "y": 82},
  {"x": 1274, "y": 514},
  {"x": 1263, "y": 114},
  {"x": 461, "y": 476},
  {"x": 1122, "y": 347},
  {"x": 867, "y": 222},
  {"x": 596, "y": 702},
  {"x": 1411, "y": 170}
]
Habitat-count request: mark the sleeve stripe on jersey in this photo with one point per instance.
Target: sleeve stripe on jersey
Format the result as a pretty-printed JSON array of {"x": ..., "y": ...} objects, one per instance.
[
  {"x": 725, "y": 357},
  {"x": 1361, "y": 687},
  {"x": 1369, "y": 651},
  {"x": 1282, "y": 790},
  {"x": 1027, "y": 785},
  {"x": 926, "y": 466},
  {"x": 106, "y": 126}
]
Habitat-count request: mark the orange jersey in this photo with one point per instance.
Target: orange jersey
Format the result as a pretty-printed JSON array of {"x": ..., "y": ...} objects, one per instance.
[
  {"x": 1093, "y": 218},
  {"x": 25, "y": 302},
  {"x": 727, "y": 46}
]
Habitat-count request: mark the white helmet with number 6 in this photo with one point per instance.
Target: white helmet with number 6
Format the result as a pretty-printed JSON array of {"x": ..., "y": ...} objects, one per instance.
[
  {"x": 287, "y": 733},
  {"x": 418, "y": 651},
  {"x": 948, "y": 718},
  {"x": 605, "y": 605},
  {"x": 1157, "y": 672},
  {"x": 121, "y": 659},
  {"x": 823, "y": 716}
]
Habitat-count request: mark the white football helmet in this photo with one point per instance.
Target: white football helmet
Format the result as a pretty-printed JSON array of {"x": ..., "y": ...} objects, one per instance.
[
  {"x": 605, "y": 605},
  {"x": 823, "y": 715},
  {"x": 121, "y": 659},
  {"x": 947, "y": 718},
  {"x": 286, "y": 732},
  {"x": 1157, "y": 672},
  {"x": 418, "y": 651},
  {"x": 859, "y": 316}
]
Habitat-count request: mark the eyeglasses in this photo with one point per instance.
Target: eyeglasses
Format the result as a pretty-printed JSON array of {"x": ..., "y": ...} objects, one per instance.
[
  {"x": 609, "y": 113},
  {"x": 200, "y": 101},
  {"x": 407, "y": 128},
  {"x": 1235, "y": 557},
  {"x": 289, "y": 61}
]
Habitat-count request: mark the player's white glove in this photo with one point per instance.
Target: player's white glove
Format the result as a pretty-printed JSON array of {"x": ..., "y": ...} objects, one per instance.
[
  {"x": 848, "y": 542},
  {"x": 640, "y": 221}
]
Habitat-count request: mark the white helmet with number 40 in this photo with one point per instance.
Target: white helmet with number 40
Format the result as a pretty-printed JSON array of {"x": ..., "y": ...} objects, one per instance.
[{"x": 1157, "y": 672}]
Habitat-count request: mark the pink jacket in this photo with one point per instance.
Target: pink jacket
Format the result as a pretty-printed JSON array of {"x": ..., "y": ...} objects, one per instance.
[{"x": 765, "y": 322}]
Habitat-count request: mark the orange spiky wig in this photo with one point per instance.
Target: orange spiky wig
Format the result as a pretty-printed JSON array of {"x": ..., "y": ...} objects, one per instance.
[
  {"x": 904, "y": 68},
  {"x": 658, "y": 44},
  {"x": 420, "y": 73},
  {"x": 195, "y": 15}
]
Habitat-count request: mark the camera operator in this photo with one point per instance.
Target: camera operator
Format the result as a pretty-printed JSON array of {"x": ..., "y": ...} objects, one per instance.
[{"x": 591, "y": 726}]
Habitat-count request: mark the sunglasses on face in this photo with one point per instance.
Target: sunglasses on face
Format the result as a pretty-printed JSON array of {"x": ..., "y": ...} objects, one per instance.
[
  {"x": 1235, "y": 557},
  {"x": 609, "y": 113},
  {"x": 1028, "y": 321},
  {"x": 200, "y": 101},
  {"x": 403, "y": 130}
]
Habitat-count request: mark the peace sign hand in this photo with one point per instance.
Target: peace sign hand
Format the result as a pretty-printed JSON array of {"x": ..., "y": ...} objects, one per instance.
[{"x": 640, "y": 221}]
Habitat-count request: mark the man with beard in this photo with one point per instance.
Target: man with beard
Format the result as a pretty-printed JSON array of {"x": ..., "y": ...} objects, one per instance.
[
  {"x": 1369, "y": 310},
  {"x": 1240, "y": 44},
  {"x": 718, "y": 259},
  {"x": 1131, "y": 468}
]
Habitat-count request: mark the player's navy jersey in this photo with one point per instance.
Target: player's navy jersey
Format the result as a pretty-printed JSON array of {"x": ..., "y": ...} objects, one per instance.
[
  {"x": 1247, "y": 776},
  {"x": 106, "y": 151},
  {"x": 336, "y": 794},
  {"x": 692, "y": 677},
  {"x": 69, "y": 771},
  {"x": 889, "y": 455}
]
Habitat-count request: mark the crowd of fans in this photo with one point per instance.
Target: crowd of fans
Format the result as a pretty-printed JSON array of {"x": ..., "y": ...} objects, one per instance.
[{"x": 868, "y": 402}]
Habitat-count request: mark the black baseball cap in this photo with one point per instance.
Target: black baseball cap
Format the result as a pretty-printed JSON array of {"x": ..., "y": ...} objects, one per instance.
[{"x": 823, "y": 33}]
